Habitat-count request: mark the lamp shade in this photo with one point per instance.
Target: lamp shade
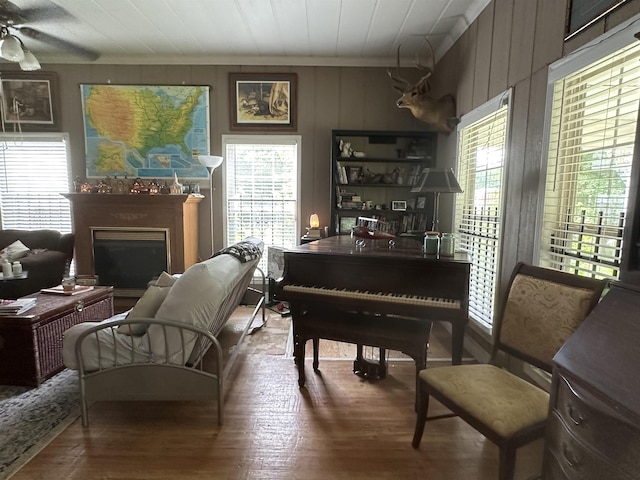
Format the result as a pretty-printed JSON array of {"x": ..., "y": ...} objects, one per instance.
[
  {"x": 314, "y": 221},
  {"x": 440, "y": 180},
  {"x": 10, "y": 48},
  {"x": 211, "y": 162}
]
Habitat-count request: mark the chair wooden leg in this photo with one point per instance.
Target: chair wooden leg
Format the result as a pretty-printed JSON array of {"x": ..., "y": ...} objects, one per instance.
[
  {"x": 422, "y": 406},
  {"x": 507, "y": 463}
]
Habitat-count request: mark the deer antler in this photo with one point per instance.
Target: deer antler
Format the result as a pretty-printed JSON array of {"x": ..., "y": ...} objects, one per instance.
[
  {"x": 432, "y": 57},
  {"x": 396, "y": 78}
]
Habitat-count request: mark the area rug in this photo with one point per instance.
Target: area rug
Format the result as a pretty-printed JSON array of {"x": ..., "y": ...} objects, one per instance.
[
  {"x": 276, "y": 338},
  {"x": 31, "y": 417}
]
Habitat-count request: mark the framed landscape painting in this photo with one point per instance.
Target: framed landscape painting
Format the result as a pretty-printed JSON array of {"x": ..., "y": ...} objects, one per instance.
[
  {"x": 263, "y": 101},
  {"x": 29, "y": 101}
]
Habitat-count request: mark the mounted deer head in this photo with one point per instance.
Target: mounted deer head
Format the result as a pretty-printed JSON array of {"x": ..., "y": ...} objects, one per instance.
[{"x": 439, "y": 113}]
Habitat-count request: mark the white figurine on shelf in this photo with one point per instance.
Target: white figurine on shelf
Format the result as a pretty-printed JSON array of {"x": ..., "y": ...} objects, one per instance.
[
  {"x": 345, "y": 149},
  {"x": 176, "y": 188}
]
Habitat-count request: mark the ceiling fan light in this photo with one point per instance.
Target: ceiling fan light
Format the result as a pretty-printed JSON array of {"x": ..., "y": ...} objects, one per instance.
[
  {"x": 29, "y": 63},
  {"x": 11, "y": 49}
]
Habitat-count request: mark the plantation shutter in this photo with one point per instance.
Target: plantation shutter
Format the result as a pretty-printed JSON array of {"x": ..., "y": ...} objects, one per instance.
[
  {"x": 34, "y": 172},
  {"x": 591, "y": 143},
  {"x": 261, "y": 178},
  {"x": 481, "y": 160}
]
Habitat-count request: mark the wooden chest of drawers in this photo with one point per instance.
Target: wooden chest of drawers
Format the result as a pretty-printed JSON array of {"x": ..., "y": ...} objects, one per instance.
[{"x": 593, "y": 431}]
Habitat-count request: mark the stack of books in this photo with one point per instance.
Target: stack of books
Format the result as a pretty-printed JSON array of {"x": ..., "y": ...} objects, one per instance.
[{"x": 16, "y": 307}]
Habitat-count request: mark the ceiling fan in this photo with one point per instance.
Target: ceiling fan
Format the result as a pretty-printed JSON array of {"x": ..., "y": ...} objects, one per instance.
[{"x": 15, "y": 22}]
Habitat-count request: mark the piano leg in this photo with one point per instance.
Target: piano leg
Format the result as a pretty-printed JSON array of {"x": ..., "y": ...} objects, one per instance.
[
  {"x": 457, "y": 342},
  {"x": 299, "y": 347},
  {"x": 316, "y": 348}
]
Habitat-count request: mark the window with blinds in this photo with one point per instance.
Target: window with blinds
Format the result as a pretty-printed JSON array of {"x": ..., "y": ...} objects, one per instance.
[
  {"x": 261, "y": 194},
  {"x": 34, "y": 171},
  {"x": 591, "y": 141},
  {"x": 481, "y": 160}
]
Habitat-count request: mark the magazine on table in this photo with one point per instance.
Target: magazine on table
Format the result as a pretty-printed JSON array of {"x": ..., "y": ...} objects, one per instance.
[
  {"x": 16, "y": 307},
  {"x": 61, "y": 291}
]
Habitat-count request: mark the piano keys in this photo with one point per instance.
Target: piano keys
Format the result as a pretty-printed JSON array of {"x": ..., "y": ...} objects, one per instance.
[{"x": 374, "y": 295}]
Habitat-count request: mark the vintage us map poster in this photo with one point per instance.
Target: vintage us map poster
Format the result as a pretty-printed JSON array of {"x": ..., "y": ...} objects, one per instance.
[{"x": 145, "y": 131}]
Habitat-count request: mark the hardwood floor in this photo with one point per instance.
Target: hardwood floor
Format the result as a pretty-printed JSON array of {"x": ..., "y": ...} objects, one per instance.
[{"x": 338, "y": 427}]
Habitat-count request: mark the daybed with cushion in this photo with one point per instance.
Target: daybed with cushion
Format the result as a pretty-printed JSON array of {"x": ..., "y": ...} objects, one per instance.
[
  {"x": 44, "y": 254},
  {"x": 155, "y": 351}
]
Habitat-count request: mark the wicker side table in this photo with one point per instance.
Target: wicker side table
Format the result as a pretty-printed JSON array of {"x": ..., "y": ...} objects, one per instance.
[{"x": 31, "y": 344}]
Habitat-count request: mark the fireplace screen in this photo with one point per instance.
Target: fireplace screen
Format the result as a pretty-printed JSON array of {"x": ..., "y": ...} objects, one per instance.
[{"x": 128, "y": 259}]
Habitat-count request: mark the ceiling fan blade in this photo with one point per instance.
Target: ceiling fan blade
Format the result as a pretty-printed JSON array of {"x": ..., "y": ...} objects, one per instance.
[
  {"x": 57, "y": 42},
  {"x": 9, "y": 13},
  {"x": 44, "y": 12}
]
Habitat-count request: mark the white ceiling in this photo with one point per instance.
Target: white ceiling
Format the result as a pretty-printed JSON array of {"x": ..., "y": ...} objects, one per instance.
[{"x": 248, "y": 32}]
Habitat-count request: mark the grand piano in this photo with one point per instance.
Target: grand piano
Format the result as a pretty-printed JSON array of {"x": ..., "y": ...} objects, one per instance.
[{"x": 375, "y": 295}]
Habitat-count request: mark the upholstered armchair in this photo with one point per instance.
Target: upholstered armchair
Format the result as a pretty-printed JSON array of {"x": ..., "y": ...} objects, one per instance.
[{"x": 542, "y": 308}]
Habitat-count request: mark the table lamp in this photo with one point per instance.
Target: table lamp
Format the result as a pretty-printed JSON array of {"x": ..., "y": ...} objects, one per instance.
[
  {"x": 313, "y": 230},
  {"x": 437, "y": 180}
]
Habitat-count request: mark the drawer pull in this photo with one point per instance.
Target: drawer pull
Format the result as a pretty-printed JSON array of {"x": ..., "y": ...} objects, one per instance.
[
  {"x": 79, "y": 306},
  {"x": 572, "y": 462},
  {"x": 578, "y": 420}
]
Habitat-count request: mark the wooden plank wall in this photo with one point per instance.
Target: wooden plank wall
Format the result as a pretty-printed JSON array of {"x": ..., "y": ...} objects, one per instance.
[
  {"x": 329, "y": 98},
  {"x": 510, "y": 45}
]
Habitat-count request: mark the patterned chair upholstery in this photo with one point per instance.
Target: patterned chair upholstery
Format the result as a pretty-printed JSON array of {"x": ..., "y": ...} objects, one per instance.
[{"x": 541, "y": 310}]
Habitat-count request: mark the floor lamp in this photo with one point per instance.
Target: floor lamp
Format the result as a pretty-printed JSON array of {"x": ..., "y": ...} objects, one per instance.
[
  {"x": 437, "y": 180},
  {"x": 210, "y": 162}
]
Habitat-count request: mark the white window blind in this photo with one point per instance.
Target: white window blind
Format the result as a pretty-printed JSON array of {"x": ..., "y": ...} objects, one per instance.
[
  {"x": 261, "y": 179},
  {"x": 591, "y": 142},
  {"x": 481, "y": 161},
  {"x": 33, "y": 173}
]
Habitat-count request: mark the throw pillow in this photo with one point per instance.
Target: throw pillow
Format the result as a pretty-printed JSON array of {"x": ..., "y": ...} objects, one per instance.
[
  {"x": 14, "y": 252},
  {"x": 165, "y": 280},
  {"x": 145, "y": 307}
]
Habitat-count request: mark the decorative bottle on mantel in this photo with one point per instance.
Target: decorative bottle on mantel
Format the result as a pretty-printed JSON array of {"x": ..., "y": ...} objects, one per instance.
[{"x": 176, "y": 188}]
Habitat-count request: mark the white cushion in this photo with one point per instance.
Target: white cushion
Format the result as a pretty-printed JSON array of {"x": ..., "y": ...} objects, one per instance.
[
  {"x": 196, "y": 297},
  {"x": 128, "y": 349},
  {"x": 14, "y": 252}
]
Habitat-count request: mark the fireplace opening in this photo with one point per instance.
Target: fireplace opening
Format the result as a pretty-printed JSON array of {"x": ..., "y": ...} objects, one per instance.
[{"x": 129, "y": 259}]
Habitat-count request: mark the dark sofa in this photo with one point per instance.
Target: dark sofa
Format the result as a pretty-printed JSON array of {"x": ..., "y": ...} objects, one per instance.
[{"x": 50, "y": 253}]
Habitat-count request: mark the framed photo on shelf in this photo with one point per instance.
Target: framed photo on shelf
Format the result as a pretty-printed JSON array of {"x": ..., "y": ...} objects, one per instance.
[
  {"x": 346, "y": 224},
  {"x": 29, "y": 100},
  {"x": 399, "y": 205},
  {"x": 421, "y": 203},
  {"x": 263, "y": 101},
  {"x": 353, "y": 174}
]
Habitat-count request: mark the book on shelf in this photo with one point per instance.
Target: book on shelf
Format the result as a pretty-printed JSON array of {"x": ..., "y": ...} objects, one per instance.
[
  {"x": 59, "y": 290},
  {"x": 342, "y": 174},
  {"x": 16, "y": 307}
]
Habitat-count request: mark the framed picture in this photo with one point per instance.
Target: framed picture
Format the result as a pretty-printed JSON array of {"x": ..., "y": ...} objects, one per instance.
[
  {"x": 420, "y": 180},
  {"x": 399, "y": 205},
  {"x": 346, "y": 225},
  {"x": 263, "y": 101},
  {"x": 353, "y": 174},
  {"x": 421, "y": 202},
  {"x": 582, "y": 13},
  {"x": 111, "y": 151},
  {"x": 29, "y": 100}
]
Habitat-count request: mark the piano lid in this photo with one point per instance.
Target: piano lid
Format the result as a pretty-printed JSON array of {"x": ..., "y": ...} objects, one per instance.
[{"x": 346, "y": 245}]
